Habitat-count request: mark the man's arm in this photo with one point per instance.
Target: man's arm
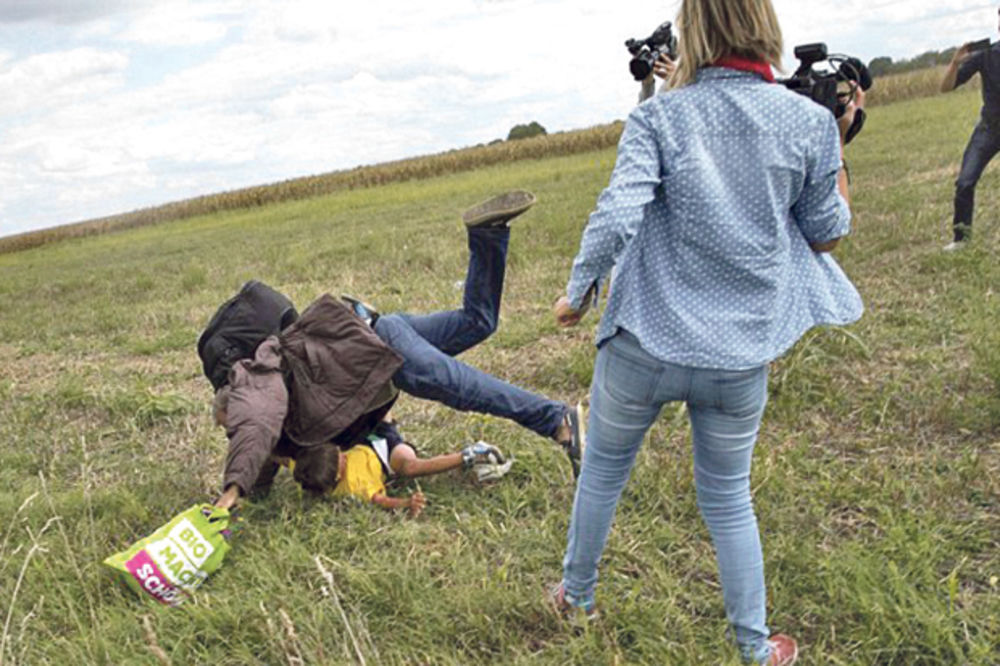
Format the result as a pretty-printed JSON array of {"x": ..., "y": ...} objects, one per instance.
[
  {"x": 258, "y": 403},
  {"x": 951, "y": 80}
]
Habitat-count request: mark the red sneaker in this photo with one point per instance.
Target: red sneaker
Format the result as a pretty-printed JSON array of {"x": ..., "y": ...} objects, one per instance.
[
  {"x": 784, "y": 650},
  {"x": 566, "y": 608}
]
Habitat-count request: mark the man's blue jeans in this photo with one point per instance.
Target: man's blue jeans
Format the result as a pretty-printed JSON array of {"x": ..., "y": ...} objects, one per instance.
[
  {"x": 427, "y": 344},
  {"x": 983, "y": 145},
  {"x": 725, "y": 407}
]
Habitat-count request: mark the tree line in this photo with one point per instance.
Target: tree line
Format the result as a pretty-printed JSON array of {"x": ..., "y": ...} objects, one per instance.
[{"x": 885, "y": 65}]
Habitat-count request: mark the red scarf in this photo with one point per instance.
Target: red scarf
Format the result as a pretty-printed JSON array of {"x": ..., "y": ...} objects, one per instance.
[{"x": 746, "y": 65}]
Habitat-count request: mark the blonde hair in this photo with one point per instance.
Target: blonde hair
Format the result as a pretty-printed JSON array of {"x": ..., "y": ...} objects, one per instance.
[{"x": 713, "y": 29}]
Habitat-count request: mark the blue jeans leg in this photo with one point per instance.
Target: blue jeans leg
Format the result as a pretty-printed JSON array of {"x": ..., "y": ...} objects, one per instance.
[
  {"x": 725, "y": 413},
  {"x": 620, "y": 415},
  {"x": 983, "y": 145},
  {"x": 629, "y": 388},
  {"x": 429, "y": 373},
  {"x": 454, "y": 331}
]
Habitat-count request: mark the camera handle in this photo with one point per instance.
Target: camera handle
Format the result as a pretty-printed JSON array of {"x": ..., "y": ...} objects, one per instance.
[
  {"x": 839, "y": 62},
  {"x": 845, "y": 66}
]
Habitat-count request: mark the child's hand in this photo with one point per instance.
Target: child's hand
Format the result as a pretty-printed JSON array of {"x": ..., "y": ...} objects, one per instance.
[{"x": 417, "y": 503}]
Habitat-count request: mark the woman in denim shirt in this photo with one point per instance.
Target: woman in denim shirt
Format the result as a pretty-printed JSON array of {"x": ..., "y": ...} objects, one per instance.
[{"x": 727, "y": 195}]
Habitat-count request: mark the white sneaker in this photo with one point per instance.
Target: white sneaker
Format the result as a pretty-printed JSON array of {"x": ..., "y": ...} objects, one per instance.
[
  {"x": 492, "y": 471},
  {"x": 954, "y": 245}
]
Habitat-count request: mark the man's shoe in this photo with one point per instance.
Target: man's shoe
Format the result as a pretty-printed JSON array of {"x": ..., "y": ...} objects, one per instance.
[
  {"x": 577, "y": 441},
  {"x": 366, "y": 312},
  {"x": 568, "y": 608},
  {"x": 499, "y": 210},
  {"x": 954, "y": 245},
  {"x": 784, "y": 650}
]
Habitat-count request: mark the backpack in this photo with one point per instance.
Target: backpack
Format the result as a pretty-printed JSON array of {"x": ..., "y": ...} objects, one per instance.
[{"x": 239, "y": 326}]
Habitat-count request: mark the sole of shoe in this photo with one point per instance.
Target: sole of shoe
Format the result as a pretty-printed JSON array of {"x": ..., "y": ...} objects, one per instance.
[
  {"x": 788, "y": 644},
  {"x": 577, "y": 425},
  {"x": 499, "y": 210}
]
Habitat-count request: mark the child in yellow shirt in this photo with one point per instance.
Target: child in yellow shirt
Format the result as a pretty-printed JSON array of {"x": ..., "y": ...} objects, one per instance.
[{"x": 362, "y": 469}]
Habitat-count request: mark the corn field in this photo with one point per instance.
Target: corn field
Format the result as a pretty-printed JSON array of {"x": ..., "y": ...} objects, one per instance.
[{"x": 909, "y": 85}]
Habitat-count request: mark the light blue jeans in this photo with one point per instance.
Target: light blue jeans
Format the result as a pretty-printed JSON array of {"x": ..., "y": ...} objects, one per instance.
[{"x": 725, "y": 408}]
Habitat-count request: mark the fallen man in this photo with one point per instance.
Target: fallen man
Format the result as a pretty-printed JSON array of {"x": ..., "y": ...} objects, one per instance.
[{"x": 327, "y": 379}]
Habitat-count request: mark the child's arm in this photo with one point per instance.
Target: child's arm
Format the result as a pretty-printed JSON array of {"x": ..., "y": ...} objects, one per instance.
[{"x": 415, "y": 502}]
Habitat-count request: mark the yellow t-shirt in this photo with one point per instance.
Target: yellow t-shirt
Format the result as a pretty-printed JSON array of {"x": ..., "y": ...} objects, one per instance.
[{"x": 363, "y": 475}]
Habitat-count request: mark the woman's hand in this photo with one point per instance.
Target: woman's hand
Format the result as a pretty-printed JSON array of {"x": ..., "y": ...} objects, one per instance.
[
  {"x": 417, "y": 503},
  {"x": 566, "y": 316}
]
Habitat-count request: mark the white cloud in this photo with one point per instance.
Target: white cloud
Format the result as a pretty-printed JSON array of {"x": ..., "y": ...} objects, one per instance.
[
  {"x": 183, "y": 23},
  {"x": 252, "y": 91},
  {"x": 56, "y": 79}
]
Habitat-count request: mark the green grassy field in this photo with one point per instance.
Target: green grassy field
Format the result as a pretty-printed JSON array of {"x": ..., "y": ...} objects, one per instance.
[{"x": 875, "y": 479}]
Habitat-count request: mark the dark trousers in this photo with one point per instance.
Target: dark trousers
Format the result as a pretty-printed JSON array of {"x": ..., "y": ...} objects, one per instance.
[
  {"x": 429, "y": 342},
  {"x": 983, "y": 145}
]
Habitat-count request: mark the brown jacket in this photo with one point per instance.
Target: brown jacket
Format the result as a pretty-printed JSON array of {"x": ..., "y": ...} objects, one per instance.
[{"x": 312, "y": 381}]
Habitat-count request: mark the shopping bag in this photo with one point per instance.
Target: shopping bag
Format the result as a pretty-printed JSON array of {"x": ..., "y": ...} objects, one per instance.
[{"x": 172, "y": 562}]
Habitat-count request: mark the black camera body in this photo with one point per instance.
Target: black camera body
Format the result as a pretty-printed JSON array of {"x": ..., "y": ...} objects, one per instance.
[
  {"x": 645, "y": 52},
  {"x": 824, "y": 87}
]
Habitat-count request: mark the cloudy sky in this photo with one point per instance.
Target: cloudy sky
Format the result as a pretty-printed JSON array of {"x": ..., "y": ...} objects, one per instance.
[{"x": 111, "y": 105}]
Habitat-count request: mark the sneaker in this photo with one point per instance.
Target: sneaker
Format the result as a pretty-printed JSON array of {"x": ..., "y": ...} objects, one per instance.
[
  {"x": 491, "y": 471},
  {"x": 577, "y": 437},
  {"x": 567, "y": 607},
  {"x": 954, "y": 245},
  {"x": 499, "y": 210},
  {"x": 784, "y": 650},
  {"x": 481, "y": 453},
  {"x": 366, "y": 312}
]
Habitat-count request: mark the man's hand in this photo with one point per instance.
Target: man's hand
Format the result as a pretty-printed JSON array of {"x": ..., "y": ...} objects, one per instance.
[
  {"x": 845, "y": 120},
  {"x": 229, "y": 498},
  {"x": 962, "y": 53},
  {"x": 566, "y": 316},
  {"x": 951, "y": 74},
  {"x": 664, "y": 67},
  {"x": 417, "y": 503}
]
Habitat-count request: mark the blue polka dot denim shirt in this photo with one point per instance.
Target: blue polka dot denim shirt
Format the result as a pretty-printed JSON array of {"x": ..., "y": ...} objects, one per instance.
[{"x": 719, "y": 188}]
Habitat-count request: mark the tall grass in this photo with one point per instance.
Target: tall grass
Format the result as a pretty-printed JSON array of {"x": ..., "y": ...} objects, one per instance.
[
  {"x": 453, "y": 161},
  {"x": 876, "y": 478},
  {"x": 911, "y": 85}
]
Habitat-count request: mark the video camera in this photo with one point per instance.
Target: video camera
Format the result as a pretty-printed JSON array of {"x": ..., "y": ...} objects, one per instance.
[
  {"x": 824, "y": 87},
  {"x": 645, "y": 52}
]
